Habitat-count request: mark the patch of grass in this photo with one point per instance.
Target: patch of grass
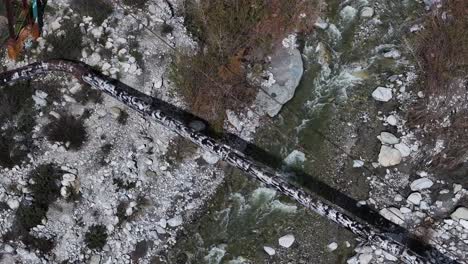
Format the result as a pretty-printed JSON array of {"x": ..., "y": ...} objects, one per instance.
[
  {"x": 99, "y": 10},
  {"x": 67, "y": 130},
  {"x": 45, "y": 189},
  {"x": 442, "y": 53},
  {"x": 66, "y": 46},
  {"x": 96, "y": 237},
  {"x": 104, "y": 152},
  {"x": 123, "y": 117},
  {"x": 17, "y": 121}
]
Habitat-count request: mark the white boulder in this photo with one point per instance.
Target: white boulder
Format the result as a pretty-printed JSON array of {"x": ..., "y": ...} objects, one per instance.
[
  {"x": 388, "y": 138},
  {"x": 13, "y": 204},
  {"x": 391, "y": 120},
  {"x": 286, "y": 241},
  {"x": 415, "y": 198},
  {"x": 404, "y": 149},
  {"x": 382, "y": 94},
  {"x": 287, "y": 69},
  {"x": 332, "y": 246},
  {"x": 460, "y": 213},
  {"x": 421, "y": 184},
  {"x": 295, "y": 157},
  {"x": 175, "y": 221},
  {"x": 269, "y": 250},
  {"x": 389, "y": 156},
  {"x": 393, "y": 214},
  {"x": 367, "y": 12}
]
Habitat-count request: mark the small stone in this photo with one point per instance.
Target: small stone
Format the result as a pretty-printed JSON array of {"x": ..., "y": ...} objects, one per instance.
[
  {"x": 367, "y": 12},
  {"x": 94, "y": 59},
  {"x": 175, "y": 221},
  {"x": 106, "y": 66},
  {"x": 270, "y": 251},
  {"x": 54, "y": 114},
  {"x": 415, "y": 198},
  {"x": 457, "y": 188},
  {"x": 391, "y": 120},
  {"x": 286, "y": 241},
  {"x": 69, "y": 177},
  {"x": 393, "y": 214},
  {"x": 332, "y": 246},
  {"x": 388, "y": 138},
  {"x": 39, "y": 101},
  {"x": 365, "y": 258},
  {"x": 382, "y": 94},
  {"x": 421, "y": 184},
  {"x": 115, "y": 111},
  {"x": 69, "y": 98},
  {"x": 405, "y": 210},
  {"x": 464, "y": 223},
  {"x": 389, "y": 156},
  {"x": 460, "y": 213},
  {"x": 210, "y": 158},
  {"x": 13, "y": 204},
  {"x": 295, "y": 157},
  {"x": 8, "y": 249},
  {"x": 393, "y": 54},
  {"x": 358, "y": 163},
  {"x": 420, "y": 94},
  {"x": 404, "y": 149}
]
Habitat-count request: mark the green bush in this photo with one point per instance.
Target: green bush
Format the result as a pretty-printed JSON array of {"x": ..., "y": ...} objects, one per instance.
[
  {"x": 67, "y": 129},
  {"x": 96, "y": 237}
]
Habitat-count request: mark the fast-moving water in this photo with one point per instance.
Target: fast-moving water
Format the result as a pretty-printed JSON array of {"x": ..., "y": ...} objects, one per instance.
[{"x": 353, "y": 51}]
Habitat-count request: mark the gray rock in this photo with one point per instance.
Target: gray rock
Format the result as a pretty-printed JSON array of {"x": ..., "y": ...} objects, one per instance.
[
  {"x": 367, "y": 12},
  {"x": 287, "y": 69},
  {"x": 393, "y": 214},
  {"x": 286, "y": 241},
  {"x": 421, "y": 184},
  {"x": 389, "y": 156},
  {"x": 13, "y": 204},
  {"x": 415, "y": 198},
  {"x": 382, "y": 94},
  {"x": 403, "y": 148},
  {"x": 388, "y": 138},
  {"x": 460, "y": 213},
  {"x": 175, "y": 221},
  {"x": 269, "y": 250}
]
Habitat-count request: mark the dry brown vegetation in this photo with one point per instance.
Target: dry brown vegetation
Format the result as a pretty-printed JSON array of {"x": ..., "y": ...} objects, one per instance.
[
  {"x": 232, "y": 35},
  {"x": 442, "y": 49}
]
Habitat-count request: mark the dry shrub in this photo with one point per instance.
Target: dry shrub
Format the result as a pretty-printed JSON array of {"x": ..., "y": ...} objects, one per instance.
[
  {"x": 443, "y": 55},
  {"x": 232, "y": 34}
]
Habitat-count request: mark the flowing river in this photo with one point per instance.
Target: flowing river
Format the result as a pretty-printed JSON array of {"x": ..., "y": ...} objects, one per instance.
[{"x": 356, "y": 47}]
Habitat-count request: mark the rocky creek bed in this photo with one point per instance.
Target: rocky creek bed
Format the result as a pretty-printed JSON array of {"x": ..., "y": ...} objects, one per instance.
[{"x": 134, "y": 192}]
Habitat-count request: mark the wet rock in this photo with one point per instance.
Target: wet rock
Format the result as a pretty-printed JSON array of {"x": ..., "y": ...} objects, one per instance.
[
  {"x": 295, "y": 157},
  {"x": 389, "y": 156},
  {"x": 382, "y": 94},
  {"x": 367, "y": 12},
  {"x": 358, "y": 163},
  {"x": 287, "y": 69},
  {"x": 393, "y": 214},
  {"x": 286, "y": 241},
  {"x": 393, "y": 54},
  {"x": 322, "y": 24},
  {"x": 415, "y": 198},
  {"x": 348, "y": 13},
  {"x": 197, "y": 125},
  {"x": 403, "y": 148},
  {"x": 460, "y": 213},
  {"x": 421, "y": 184},
  {"x": 332, "y": 246},
  {"x": 388, "y": 138},
  {"x": 270, "y": 251}
]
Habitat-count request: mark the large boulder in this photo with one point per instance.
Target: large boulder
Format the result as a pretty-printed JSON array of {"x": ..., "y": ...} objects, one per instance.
[
  {"x": 389, "y": 156},
  {"x": 287, "y": 69}
]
